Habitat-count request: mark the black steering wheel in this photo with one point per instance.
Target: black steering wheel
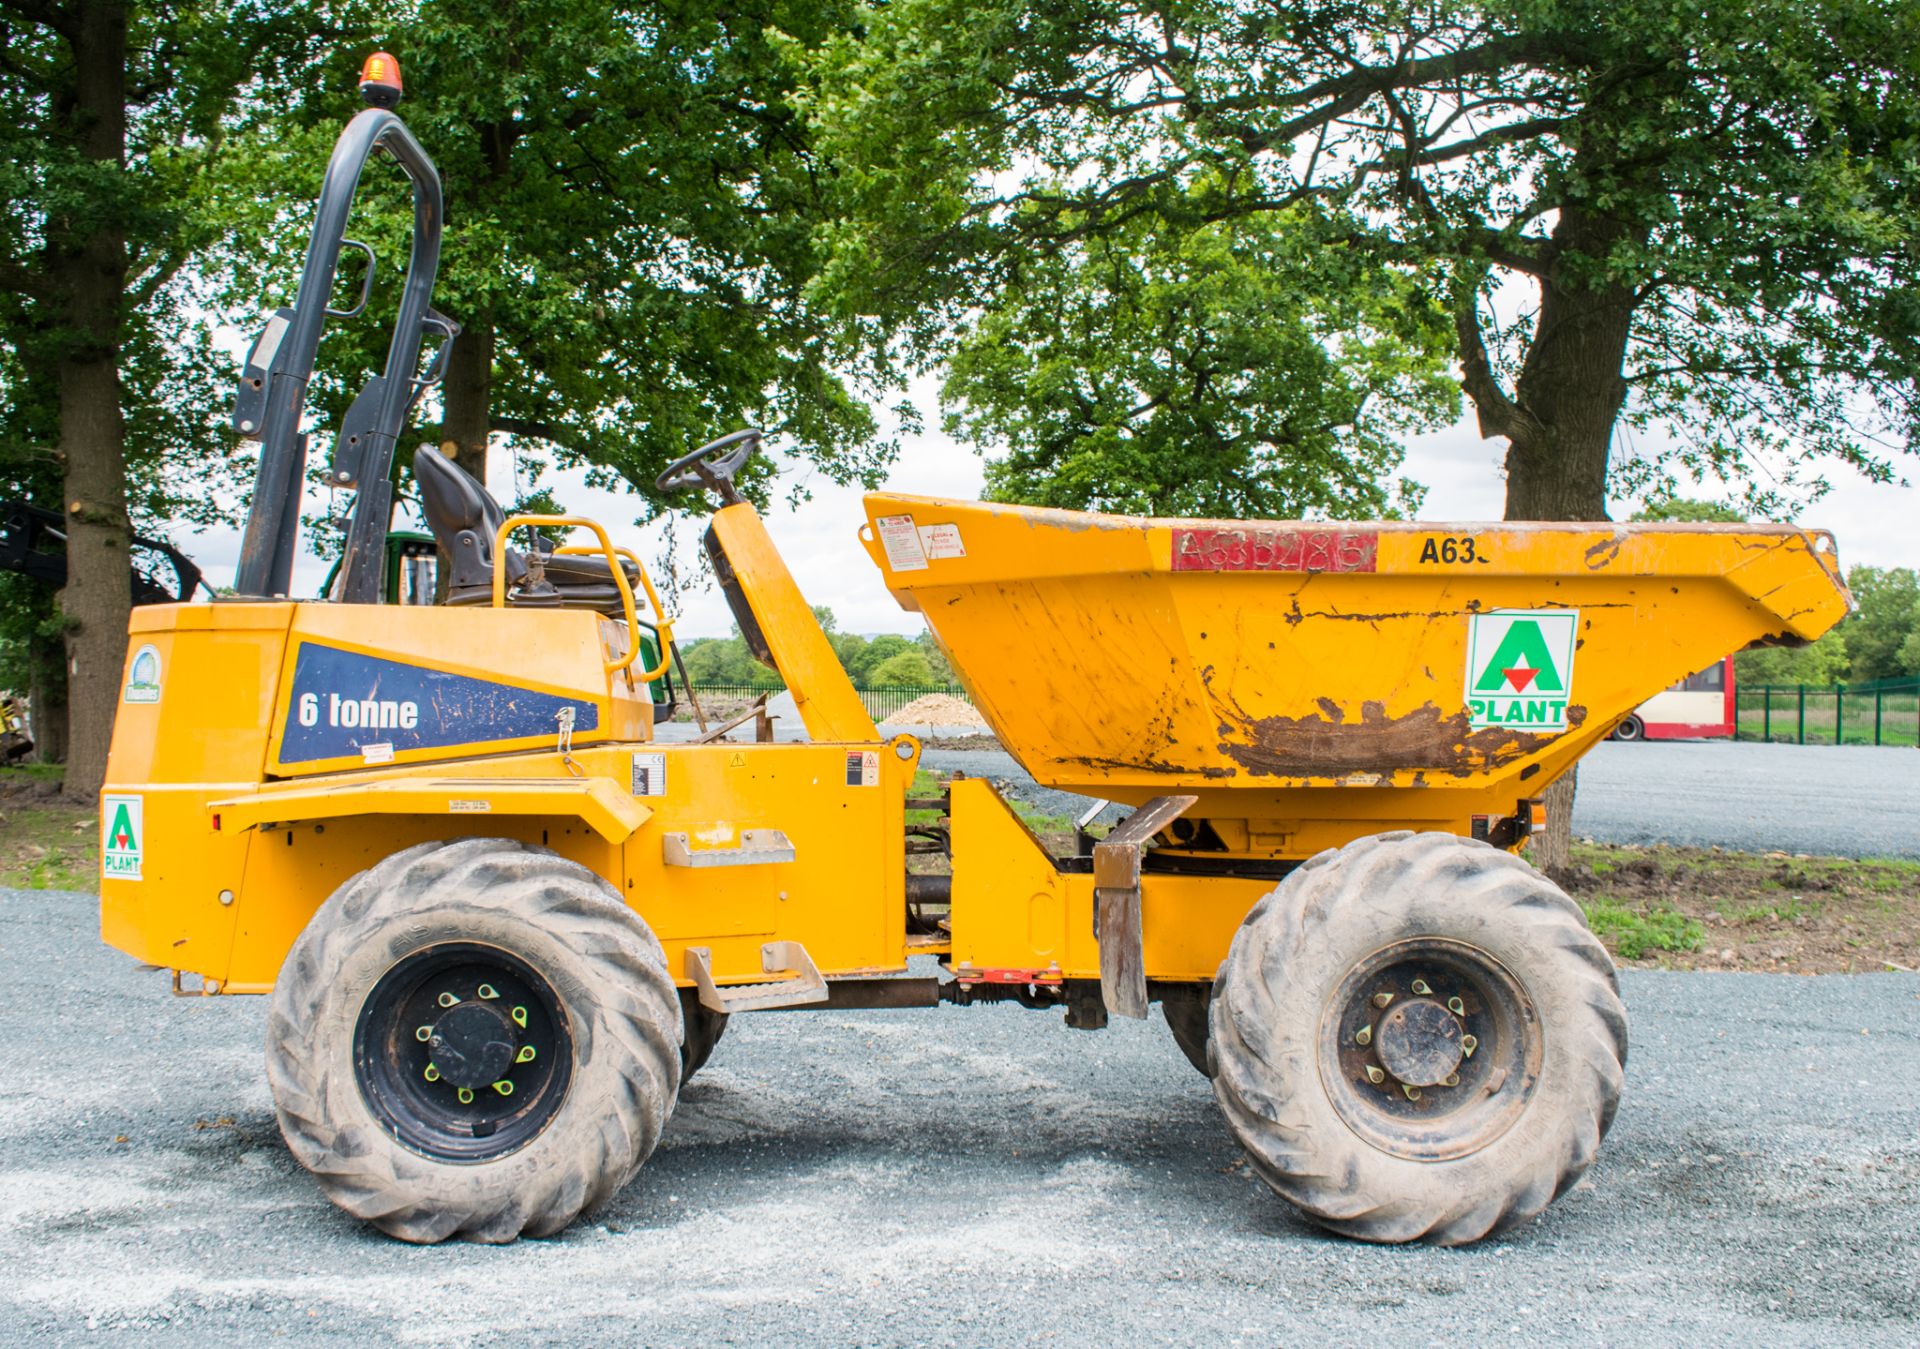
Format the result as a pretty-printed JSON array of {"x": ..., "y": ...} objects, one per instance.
[{"x": 712, "y": 465}]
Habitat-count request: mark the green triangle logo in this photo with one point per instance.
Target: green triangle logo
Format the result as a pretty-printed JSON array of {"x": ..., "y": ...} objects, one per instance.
[
  {"x": 1521, "y": 664},
  {"x": 120, "y": 835}
]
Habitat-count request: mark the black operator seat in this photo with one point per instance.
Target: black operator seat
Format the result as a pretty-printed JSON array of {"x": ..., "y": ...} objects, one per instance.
[{"x": 465, "y": 519}]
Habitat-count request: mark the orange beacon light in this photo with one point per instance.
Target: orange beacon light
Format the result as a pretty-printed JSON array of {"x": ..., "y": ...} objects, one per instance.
[{"x": 380, "y": 80}]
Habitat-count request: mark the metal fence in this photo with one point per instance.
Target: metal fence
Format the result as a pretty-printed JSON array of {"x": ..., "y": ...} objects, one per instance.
[
  {"x": 880, "y": 703},
  {"x": 1880, "y": 712}
]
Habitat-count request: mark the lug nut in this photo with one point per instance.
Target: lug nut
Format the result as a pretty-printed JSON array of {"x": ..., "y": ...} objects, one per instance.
[
  {"x": 1453, "y": 1080},
  {"x": 1375, "y": 1076},
  {"x": 1413, "y": 1093},
  {"x": 1382, "y": 999},
  {"x": 1364, "y": 1036},
  {"x": 1468, "y": 1044},
  {"x": 525, "y": 1055},
  {"x": 1420, "y": 987},
  {"x": 448, "y": 1000},
  {"x": 423, "y": 1033},
  {"x": 520, "y": 1017},
  {"x": 432, "y": 1074},
  {"x": 489, "y": 991},
  {"x": 1457, "y": 1007},
  {"x": 466, "y": 1096},
  {"x": 504, "y": 1087}
]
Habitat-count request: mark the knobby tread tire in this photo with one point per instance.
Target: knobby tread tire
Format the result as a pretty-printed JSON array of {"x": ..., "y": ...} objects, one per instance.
[
  {"x": 704, "y": 1029},
  {"x": 1291, "y": 954},
  {"x": 599, "y": 956},
  {"x": 1187, "y": 1016}
]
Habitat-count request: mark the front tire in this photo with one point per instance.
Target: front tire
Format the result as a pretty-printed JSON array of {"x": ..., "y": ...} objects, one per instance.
[
  {"x": 704, "y": 1029},
  {"x": 1416, "y": 1037},
  {"x": 1631, "y": 729},
  {"x": 475, "y": 1039}
]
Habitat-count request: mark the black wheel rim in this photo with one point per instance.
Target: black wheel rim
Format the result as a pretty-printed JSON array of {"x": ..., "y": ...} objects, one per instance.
[
  {"x": 1430, "y": 1049},
  {"x": 463, "y": 1052}
]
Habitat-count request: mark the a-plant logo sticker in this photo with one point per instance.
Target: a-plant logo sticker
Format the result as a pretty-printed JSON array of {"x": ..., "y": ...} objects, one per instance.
[
  {"x": 122, "y": 835},
  {"x": 1520, "y": 667},
  {"x": 143, "y": 676}
]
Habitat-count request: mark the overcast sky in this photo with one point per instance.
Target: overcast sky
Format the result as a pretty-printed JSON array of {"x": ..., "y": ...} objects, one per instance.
[{"x": 1879, "y": 525}]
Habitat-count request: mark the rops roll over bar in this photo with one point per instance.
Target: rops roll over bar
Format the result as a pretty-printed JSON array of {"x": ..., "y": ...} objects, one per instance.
[{"x": 272, "y": 393}]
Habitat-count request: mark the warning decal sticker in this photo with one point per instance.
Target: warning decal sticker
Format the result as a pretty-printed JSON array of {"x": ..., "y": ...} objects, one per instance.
[
  {"x": 1520, "y": 667},
  {"x": 942, "y": 541},
  {"x": 649, "y": 775},
  {"x": 900, "y": 541}
]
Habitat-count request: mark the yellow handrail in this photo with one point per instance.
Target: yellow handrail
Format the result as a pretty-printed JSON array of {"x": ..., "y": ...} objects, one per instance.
[
  {"x": 514, "y": 522},
  {"x": 662, "y": 625}
]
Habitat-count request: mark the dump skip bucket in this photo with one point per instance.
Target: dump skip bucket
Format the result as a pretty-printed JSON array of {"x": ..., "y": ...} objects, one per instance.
[{"x": 1128, "y": 658}]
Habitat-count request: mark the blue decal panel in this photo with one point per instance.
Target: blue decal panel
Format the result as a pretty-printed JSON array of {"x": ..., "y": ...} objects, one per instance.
[{"x": 343, "y": 702}]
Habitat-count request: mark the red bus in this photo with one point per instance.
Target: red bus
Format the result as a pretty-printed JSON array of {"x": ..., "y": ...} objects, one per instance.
[{"x": 1699, "y": 707}]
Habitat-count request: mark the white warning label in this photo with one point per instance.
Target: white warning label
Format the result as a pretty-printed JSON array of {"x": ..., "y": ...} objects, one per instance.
[
  {"x": 942, "y": 541},
  {"x": 649, "y": 775},
  {"x": 901, "y": 543}
]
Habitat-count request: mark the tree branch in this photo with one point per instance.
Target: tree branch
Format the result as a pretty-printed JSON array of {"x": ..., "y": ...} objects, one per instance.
[
  {"x": 538, "y": 430},
  {"x": 1498, "y": 414}
]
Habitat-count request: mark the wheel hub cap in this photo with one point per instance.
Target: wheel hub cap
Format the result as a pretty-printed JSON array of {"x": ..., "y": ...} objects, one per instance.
[
  {"x": 473, "y": 1043},
  {"x": 1419, "y": 1042}
]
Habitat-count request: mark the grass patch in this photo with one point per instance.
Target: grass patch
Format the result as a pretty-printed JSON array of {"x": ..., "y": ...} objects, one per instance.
[
  {"x": 1634, "y": 934},
  {"x": 1767, "y": 911},
  {"x": 49, "y": 846}
]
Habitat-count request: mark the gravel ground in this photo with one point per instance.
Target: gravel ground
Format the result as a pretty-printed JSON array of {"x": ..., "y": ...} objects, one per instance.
[
  {"x": 960, "y": 1176},
  {"x": 1836, "y": 801}
]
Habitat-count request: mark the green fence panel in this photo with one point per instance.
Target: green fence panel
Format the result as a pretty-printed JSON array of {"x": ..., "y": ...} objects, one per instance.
[{"x": 1877, "y": 712}]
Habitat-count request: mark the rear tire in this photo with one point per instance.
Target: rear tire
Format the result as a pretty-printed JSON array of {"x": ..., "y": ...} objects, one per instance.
[
  {"x": 1343, "y": 1103},
  {"x": 1631, "y": 729},
  {"x": 503, "y": 954}
]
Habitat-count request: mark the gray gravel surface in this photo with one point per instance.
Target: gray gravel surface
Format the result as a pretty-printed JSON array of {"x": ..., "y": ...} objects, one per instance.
[
  {"x": 963, "y": 1176},
  {"x": 1840, "y": 801}
]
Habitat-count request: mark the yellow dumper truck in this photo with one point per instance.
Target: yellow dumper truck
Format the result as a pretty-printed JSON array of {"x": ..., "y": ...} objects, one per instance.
[{"x": 500, "y": 921}]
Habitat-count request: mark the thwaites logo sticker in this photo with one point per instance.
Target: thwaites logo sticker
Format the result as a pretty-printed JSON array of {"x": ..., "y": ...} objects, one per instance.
[
  {"x": 143, "y": 676},
  {"x": 122, "y": 835},
  {"x": 1520, "y": 667}
]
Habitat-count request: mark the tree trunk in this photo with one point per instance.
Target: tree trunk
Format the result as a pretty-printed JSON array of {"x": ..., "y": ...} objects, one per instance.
[
  {"x": 88, "y": 263},
  {"x": 1559, "y": 421},
  {"x": 468, "y": 397},
  {"x": 1571, "y": 386},
  {"x": 47, "y": 698}
]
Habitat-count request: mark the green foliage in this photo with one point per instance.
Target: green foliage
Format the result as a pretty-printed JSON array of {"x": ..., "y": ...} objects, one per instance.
[
  {"x": 628, "y": 203},
  {"x": 886, "y": 661},
  {"x": 904, "y": 670},
  {"x": 1879, "y": 636},
  {"x": 1681, "y": 510},
  {"x": 869, "y": 655},
  {"x": 1251, "y": 367},
  {"x": 1633, "y": 934},
  {"x": 1717, "y": 205},
  {"x": 1823, "y": 662},
  {"x": 725, "y": 660}
]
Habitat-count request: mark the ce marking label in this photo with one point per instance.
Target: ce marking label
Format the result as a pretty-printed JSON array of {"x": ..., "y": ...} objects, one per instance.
[{"x": 1451, "y": 550}]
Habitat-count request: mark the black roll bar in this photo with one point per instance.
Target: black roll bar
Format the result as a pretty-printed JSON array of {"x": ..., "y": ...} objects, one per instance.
[{"x": 273, "y": 386}]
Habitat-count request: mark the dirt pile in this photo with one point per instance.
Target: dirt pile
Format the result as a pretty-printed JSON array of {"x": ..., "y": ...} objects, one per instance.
[{"x": 940, "y": 709}]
